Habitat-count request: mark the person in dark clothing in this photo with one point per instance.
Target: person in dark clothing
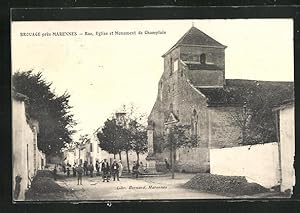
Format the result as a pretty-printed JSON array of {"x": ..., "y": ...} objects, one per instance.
[
  {"x": 97, "y": 168},
  {"x": 135, "y": 169},
  {"x": 167, "y": 164},
  {"x": 79, "y": 172},
  {"x": 68, "y": 171},
  {"x": 91, "y": 169},
  {"x": 74, "y": 170},
  {"x": 54, "y": 173},
  {"x": 85, "y": 168},
  {"x": 105, "y": 170},
  {"x": 17, "y": 187},
  {"x": 115, "y": 170}
]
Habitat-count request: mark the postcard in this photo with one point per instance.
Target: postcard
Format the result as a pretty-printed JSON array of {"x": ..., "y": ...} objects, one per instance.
[{"x": 152, "y": 109}]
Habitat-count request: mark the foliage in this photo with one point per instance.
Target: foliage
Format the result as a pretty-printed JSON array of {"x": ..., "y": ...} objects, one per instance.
[
  {"x": 111, "y": 137},
  {"x": 257, "y": 120},
  {"x": 136, "y": 127},
  {"x": 83, "y": 139},
  {"x": 50, "y": 110},
  {"x": 179, "y": 136},
  {"x": 131, "y": 134},
  {"x": 138, "y": 137}
]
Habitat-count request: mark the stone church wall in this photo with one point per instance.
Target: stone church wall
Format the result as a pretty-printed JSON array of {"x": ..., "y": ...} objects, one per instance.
[
  {"x": 223, "y": 129},
  {"x": 213, "y": 55},
  {"x": 177, "y": 94},
  {"x": 184, "y": 99},
  {"x": 193, "y": 159}
]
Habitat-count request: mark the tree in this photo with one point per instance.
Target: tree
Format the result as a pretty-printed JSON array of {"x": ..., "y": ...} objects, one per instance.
[
  {"x": 127, "y": 145},
  {"x": 242, "y": 119},
  {"x": 83, "y": 139},
  {"x": 138, "y": 137},
  {"x": 124, "y": 132},
  {"x": 256, "y": 119},
  {"x": 178, "y": 136},
  {"x": 134, "y": 128},
  {"x": 110, "y": 137},
  {"x": 51, "y": 111}
]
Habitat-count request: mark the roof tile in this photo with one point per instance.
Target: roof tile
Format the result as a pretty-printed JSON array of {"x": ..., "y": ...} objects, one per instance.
[{"x": 237, "y": 91}]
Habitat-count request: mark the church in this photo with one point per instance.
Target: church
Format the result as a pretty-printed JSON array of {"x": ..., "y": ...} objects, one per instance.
[{"x": 193, "y": 91}]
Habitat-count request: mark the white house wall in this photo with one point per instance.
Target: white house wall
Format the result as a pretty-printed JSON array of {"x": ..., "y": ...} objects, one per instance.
[
  {"x": 23, "y": 137},
  {"x": 258, "y": 163},
  {"x": 287, "y": 146}
]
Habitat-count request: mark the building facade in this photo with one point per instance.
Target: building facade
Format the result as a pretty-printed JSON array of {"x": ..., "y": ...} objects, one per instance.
[
  {"x": 193, "y": 91},
  {"x": 92, "y": 149},
  {"x": 285, "y": 114},
  {"x": 27, "y": 159}
]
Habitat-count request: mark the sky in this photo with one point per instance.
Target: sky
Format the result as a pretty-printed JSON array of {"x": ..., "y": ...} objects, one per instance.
[{"x": 101, "y": 73}]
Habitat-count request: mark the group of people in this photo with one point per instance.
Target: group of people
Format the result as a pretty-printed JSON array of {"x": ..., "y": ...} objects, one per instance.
[
  {"x": 88, "y": 169},
  {"x": 113, "y": 171},
  {"x": 138, "y": 168}
]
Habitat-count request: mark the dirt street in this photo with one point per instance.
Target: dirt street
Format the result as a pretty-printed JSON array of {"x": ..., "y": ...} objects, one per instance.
[{"x": 145, "y": 188}]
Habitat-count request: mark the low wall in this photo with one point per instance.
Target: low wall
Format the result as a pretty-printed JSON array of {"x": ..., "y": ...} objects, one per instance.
[
  {"x": 192, "y": 159},
  {"x": 188, "y": 160},
  {"x": 258, "y": 163}
]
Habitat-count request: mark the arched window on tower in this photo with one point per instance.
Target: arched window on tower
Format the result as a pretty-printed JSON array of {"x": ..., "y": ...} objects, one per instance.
[
  {"x": 161, "y": 90},
  {"x": 203, "y": 58}
]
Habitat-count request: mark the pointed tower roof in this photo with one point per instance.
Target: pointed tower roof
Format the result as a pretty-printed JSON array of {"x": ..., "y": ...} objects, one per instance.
[{"x": 195, "y": 36}]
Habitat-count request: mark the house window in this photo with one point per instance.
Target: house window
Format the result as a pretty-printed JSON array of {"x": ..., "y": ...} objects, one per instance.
[
  {"x": 202, "y": 58},
  {"x": 175, "y": 65},
  {"x": 91, "y": 147}
]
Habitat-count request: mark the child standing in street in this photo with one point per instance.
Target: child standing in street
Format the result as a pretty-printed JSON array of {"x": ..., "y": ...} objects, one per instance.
[{"x": 79, "y": 174}]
